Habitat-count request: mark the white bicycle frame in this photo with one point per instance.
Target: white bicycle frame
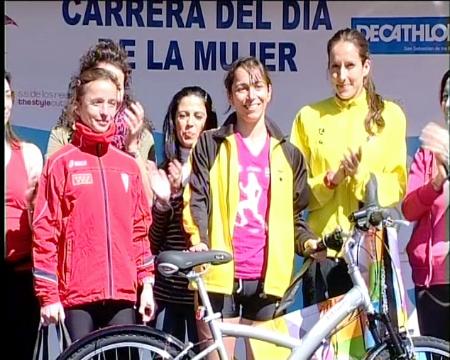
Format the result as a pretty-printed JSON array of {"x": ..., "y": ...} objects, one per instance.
[{"x": 357, "y": 297}]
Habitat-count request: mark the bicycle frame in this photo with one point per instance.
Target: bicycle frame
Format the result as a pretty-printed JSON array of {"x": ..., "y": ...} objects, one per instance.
[{"x": 357, "y": 297}]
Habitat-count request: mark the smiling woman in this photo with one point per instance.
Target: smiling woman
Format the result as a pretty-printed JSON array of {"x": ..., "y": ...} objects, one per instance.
[
  {"x": 344, "y": 139},
  {"x": 96, "y": 101},
  {"x": 246, "y": 195},
  {"x": 91, "y": 209}
]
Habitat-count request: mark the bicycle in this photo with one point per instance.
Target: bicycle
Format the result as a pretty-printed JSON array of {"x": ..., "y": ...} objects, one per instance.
[{"x": 143, "y": 342}]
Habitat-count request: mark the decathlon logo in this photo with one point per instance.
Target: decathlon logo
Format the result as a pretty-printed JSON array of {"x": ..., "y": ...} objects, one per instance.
[
  {"x": 82, "y": 179},
  {"x": 405, "y": 35}
]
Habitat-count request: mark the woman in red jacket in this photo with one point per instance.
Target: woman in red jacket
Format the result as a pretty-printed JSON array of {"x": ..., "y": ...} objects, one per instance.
[{"x": 91, "y": 251}]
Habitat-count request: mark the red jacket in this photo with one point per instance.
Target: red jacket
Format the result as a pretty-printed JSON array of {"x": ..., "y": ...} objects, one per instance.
[{"x": 90, "y": 225}]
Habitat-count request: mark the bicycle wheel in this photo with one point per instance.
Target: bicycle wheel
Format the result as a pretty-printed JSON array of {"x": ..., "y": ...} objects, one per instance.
[
  {"x": 425, "y": 348},
  {"x": 126, "y": 342}
]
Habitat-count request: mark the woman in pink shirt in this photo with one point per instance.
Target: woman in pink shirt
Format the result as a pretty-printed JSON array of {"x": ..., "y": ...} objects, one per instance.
[
  {"x": 23, "y": 166},
  {"x": 427, "y": 203}
]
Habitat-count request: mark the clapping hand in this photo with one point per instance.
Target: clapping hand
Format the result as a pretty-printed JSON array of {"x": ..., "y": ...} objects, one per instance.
[
  {"x": 175, "y": 175},
  {"x": 135, "y": 121},
  {"x": 159, "y": 182},
  {"x": 436, "y": 139},
  {"x": 351, "y": 162}
]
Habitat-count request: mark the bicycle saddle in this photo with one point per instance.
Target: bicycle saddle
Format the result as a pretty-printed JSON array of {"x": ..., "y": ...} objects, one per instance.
[{"x": 171, "y": 261}]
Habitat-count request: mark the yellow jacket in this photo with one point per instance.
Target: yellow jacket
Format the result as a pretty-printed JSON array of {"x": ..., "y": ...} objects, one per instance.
[
  {"x": 323, "y": 132},
  {"x": 212, "y": 196}
]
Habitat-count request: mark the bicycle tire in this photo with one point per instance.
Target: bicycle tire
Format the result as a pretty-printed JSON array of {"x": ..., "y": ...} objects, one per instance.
[
  {"x": 425, "y": 347},
  {"x": 126, "y": 342}
]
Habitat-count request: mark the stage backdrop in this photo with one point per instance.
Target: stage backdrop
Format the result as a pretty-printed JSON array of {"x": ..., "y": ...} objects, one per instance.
[{"x": 172, "y": 44}]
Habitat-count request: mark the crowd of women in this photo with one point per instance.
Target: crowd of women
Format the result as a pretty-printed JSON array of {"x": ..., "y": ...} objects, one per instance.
[{"x": 84, "y": 226}]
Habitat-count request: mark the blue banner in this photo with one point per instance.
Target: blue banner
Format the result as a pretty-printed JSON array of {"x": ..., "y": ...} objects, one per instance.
[{"x": 405, "y": 35}]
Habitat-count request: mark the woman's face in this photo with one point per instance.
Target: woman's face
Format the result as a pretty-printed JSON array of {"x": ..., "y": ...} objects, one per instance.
[
  {"x": 445, "y": 102},
  {"x": 347, "y": 72},
  {"x": 118, "y": 73},
  {"x": 250, "y": 95},
  {"x": 8, "y": 101},
  {"x": 190, "y": 120},
  {"x": 98, "y": 105}
]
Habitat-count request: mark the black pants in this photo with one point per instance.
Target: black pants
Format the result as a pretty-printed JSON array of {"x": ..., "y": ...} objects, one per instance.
[
  {"x": 433, "y": 310},
  {"x": 324, "y": 280},
  {"x": 22, "y": 313},
  {"x": 177, "y": 320},
  {"x": 82, "y": 320}
]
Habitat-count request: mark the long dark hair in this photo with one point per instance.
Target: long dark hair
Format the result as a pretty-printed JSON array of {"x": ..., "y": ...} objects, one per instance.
[
  {"x": 442, "y": 87},
  {"x": 374, "y": 100},
  {"x": 171, "y": 143},
  {"x": 10, "y": 136}
]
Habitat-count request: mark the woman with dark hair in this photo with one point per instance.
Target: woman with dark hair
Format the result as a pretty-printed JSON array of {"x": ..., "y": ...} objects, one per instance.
[
  {"x": 426, "y": 203},
  {"x": 23, "y": 166},
  {"x": 345, "y": 139},
  {"x": 190, "y": 112},
  {"x": 133, "y": 132},
  {"x": 245, "y": 195}
]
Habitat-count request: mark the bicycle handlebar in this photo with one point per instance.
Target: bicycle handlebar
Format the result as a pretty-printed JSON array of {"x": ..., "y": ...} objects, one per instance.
[
  {"x": 371, "y": 215},
  {"x": 331, "y": 241},
  {"x": 362, "y": 219}
]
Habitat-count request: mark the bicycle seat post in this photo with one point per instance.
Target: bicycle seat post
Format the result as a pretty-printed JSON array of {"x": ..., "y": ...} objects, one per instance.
[{"x": 210, "y": 317}]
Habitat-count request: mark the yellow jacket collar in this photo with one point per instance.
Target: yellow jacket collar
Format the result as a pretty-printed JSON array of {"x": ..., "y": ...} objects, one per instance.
[{"x": 360, "y": 100}]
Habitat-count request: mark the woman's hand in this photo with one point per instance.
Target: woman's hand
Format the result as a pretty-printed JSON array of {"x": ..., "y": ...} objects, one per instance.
[
  {"x": 147, "y": 303},
  {"x": 199, "y": 247},
  {"x": 159, "y": 182},
  {"x": 175, "y": 175},
  {"x": 135, "y": 121},
  {"x": 351, "y": 162},
  {"x": 436, "y": 139},
  {"x": 52, "y": 314},
  {"x": 310, "y": 246}
]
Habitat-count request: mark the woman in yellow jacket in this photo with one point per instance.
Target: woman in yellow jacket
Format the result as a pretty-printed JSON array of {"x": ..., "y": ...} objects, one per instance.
[
  {"x": 246, "y": 194},
  {"x": 345, "y": 138}
]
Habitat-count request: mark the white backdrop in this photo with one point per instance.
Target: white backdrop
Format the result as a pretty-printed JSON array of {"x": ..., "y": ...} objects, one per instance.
[{"x": 43, "y": 49}]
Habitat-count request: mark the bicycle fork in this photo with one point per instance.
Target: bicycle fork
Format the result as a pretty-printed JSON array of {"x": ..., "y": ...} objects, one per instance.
[{"x": 397, "y": 348}]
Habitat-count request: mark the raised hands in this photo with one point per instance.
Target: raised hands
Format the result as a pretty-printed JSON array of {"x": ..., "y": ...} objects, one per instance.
[
  {"x": 135, "y": 121},
  {"x": 175, "y": 175},
  {"x": 351, "y": 162},
  {"x": 436, "y": 139},
  {"x": 159, "y": 182},
  {"x": 348, "y": 167}
]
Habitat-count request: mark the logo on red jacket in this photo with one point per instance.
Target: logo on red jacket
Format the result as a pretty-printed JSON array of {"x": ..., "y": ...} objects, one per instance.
[{"x": 82, "y": 179}]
